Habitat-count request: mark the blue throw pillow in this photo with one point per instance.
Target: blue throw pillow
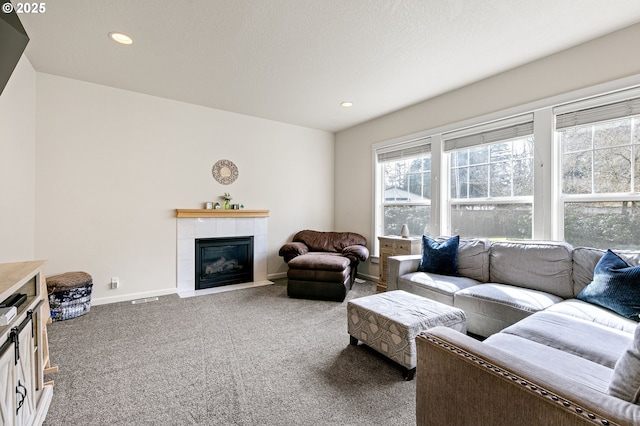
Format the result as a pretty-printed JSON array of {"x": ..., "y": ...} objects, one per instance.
[
  {"x": 615, "y": 286},
  {"x": 440, "y": 258}
]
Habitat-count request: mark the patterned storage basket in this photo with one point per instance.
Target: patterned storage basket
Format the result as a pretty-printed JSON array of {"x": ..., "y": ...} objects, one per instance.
[{"x": 69, "y": 295}]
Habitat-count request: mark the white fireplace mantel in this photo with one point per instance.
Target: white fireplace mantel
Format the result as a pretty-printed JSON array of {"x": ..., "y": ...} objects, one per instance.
[
  {"x": 201, "y": 223},
  {"x": 219, "y": 213}
]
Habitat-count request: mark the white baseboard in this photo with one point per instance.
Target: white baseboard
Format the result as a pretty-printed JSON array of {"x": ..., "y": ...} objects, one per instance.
[
  {"x": 368, "y": 277},
  {"x": 277, "y": 276},
  {"x": 132, "y": 296},
  {"x": 164, "y": 292}
]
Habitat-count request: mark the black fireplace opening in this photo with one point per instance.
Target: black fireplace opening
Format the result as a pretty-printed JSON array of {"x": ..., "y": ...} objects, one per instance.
[{"x": 223, "y": 261}]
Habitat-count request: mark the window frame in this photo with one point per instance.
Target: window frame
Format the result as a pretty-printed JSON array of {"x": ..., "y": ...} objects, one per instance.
[
  {"x": 587, "y": 105},
  {"x": 499, "y": 131},
  {"x": 379, "y": 182},
  {"x": 548, "y": 211}
]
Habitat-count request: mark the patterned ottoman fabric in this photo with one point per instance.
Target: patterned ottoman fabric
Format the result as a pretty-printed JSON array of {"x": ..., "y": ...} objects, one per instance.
[{"x": 389, "y": 322}]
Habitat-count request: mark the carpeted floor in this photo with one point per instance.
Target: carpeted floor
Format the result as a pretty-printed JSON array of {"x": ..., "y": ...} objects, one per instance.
[{"x": 244, "y": 357}]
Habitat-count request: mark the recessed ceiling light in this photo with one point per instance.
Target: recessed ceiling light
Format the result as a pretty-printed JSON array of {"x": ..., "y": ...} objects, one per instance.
[
  {"x": 120, "y": 38},
  {"x": 346, "y": 104}
]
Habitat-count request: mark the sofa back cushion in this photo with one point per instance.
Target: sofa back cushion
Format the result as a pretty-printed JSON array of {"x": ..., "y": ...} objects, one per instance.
[
  {"x": 473, "y": 259},
  {"x": 540, "y": 265},
  {"x": 333, "y": 242},
  {"x": 585, "y": 260}
]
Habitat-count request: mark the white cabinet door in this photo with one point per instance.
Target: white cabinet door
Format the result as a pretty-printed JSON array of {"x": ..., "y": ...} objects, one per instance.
[
  {"x": 25, "y": 379},
  {"x": 7, "y": 387}
]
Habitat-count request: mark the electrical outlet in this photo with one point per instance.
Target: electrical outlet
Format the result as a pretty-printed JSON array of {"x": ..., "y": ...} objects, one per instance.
[{"x": 115, "y": 282}]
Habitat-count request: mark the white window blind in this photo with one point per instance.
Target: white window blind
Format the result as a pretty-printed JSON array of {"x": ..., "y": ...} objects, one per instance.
[
  {"x": 620, "y": 109},
  {"x": 511, "y": 128},
  {"x": 407, "y": 151}
]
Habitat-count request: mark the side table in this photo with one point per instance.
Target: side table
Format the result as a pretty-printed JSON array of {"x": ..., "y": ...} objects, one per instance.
[{"x": 394, "y": 246}]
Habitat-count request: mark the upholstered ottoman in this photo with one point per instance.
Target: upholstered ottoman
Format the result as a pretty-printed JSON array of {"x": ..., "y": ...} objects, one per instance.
[
  {"x": 69, "y": 294},
  {"x": 322, "y": 276},
  {"x": 389, "y": 322}
]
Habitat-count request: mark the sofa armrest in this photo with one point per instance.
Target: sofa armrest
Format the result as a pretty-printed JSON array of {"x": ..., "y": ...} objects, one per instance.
[
  {"x": 356, "y": 253},
  {"x": 461, "y": 380},
  {"x": 293, "y": 249},
  {"x": 400, "y": 265}
]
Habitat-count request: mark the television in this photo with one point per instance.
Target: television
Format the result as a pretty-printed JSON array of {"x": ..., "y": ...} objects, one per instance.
[{"x": 13, "y": 41}]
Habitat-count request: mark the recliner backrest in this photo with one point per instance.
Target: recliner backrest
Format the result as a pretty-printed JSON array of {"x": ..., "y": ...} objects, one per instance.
[{"x": 333, "y": 242}]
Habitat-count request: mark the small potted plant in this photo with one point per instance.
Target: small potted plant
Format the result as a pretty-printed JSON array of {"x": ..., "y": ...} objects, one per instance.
[{"x": 227, "y": 200}]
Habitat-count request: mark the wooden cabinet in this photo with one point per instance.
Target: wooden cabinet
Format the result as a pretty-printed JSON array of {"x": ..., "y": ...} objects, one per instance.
[
  {"x": 24, "y": 397},
  {"x": 395, "y": 246}
]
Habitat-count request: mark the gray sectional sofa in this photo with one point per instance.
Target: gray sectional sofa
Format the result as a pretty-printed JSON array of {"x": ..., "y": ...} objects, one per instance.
[{"x": 548, "y": 357}]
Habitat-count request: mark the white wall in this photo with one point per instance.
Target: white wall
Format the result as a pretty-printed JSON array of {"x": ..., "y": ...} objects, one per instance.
[
  {"x": 599, "y": 61},
  {"x": 113, "y": 165},
  {"x": 17, "y": 165}
]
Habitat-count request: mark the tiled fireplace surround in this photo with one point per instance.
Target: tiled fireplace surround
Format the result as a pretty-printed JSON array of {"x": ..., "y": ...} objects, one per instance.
[{"x": 193, "y": 224}]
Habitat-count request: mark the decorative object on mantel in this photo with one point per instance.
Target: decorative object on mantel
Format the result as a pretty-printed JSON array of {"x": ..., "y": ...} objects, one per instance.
[
  {"x": 217, "y": 206},
  {"x": 404, "y": 232},
  {"x": 227, "y": 199},
  {"x": 208, "y": 205},
  {"x": 225, "y": 172}
]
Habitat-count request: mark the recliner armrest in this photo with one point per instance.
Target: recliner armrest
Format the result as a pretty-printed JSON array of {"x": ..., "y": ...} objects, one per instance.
[
  {"x": 356, "y": 253},
  {"x": 293, "y": 249}
]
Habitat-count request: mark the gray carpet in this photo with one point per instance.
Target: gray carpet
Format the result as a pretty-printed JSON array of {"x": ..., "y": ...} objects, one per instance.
[{"x": 244, "y": 357}]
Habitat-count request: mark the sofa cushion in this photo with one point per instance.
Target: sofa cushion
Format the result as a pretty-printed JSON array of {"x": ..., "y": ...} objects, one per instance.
[
  {"x": 492, "y": 307},
  {"x": 539, "y": 265},
  {"x": 593, "y": 313},
  {"x": 473, "y": 258},
  {"x": 571, "y": 334},
  {"x": 439, "y": 258},
  {"x": 615, "y": 285},
  {"x": 585, "y": 260},
  {"x": 440, "y": 288},
  {"x": 625, "y": 381},
  {"x": 321, "y": 261},
  {"x": 564, "y": 364}
]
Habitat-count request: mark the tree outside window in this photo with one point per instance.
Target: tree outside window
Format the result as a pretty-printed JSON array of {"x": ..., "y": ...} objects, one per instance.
[
  {"x": 492, "y": 190},
  {"x": 600, "y": 170},
  {"x": 407, "y": 195}
]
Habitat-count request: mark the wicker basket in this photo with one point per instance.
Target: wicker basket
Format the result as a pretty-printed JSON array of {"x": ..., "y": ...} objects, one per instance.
[{"x": 69, "y": 295}]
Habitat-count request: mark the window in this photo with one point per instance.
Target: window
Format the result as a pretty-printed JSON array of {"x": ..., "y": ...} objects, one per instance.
[
  {"x": 403, "y": 192},
  {"x": 491, "y": 179},
  {"x": 551, "y": 171},
  {"x": 600, "y": 173}
]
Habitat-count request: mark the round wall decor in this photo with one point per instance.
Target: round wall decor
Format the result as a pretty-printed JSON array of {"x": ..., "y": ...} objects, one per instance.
[{"x": 225, "y": 172}]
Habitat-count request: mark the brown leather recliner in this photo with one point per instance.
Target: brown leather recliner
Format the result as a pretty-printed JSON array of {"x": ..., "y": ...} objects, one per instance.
[{"x": 323, "y": 265}]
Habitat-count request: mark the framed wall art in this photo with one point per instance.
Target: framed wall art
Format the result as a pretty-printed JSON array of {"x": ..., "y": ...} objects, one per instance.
[{"x": 225, "y": 172}]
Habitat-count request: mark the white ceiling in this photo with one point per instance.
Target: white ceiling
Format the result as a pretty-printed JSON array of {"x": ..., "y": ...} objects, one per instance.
[{"x": 294, "y": 61}]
